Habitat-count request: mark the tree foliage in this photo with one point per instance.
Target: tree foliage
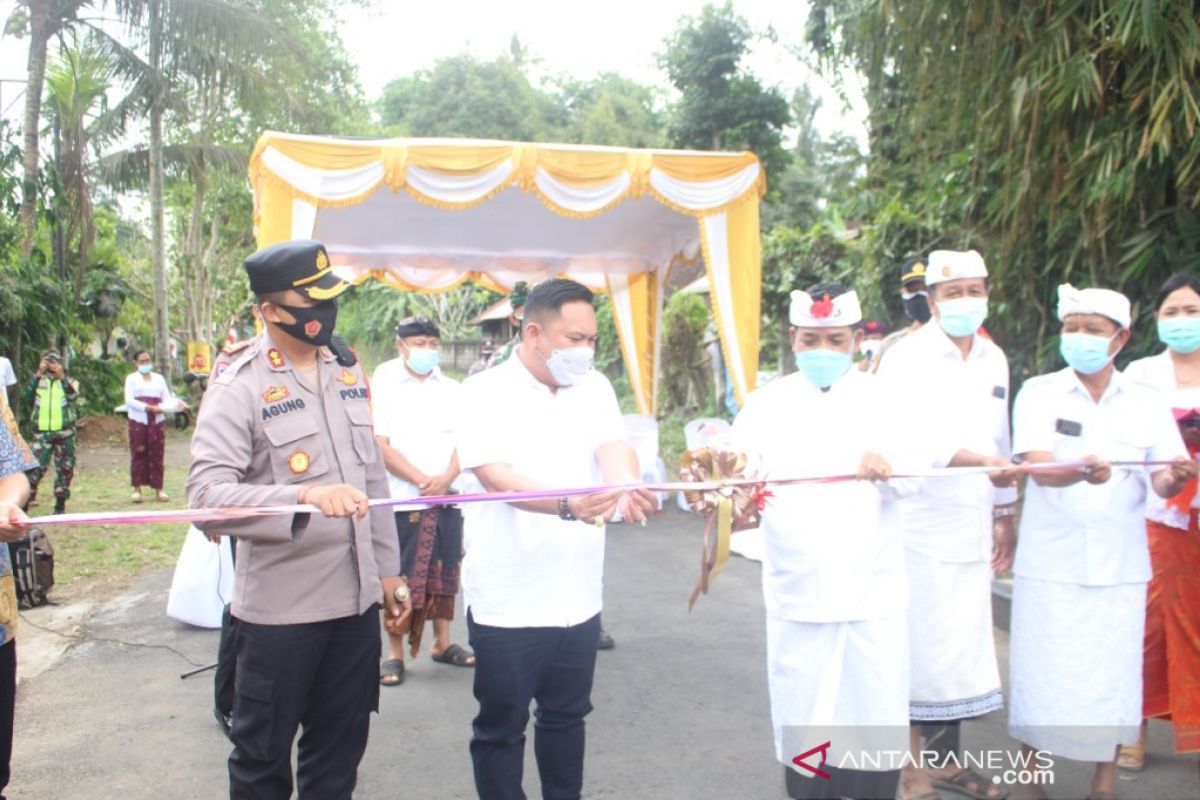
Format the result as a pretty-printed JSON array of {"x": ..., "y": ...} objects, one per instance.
[
  {"x": 1061, "y": 138},
  {"x": 721, "y": 105}
]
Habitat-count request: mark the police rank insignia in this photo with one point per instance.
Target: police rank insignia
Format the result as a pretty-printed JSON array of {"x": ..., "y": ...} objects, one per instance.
[
  {"x": 276, "y": 358},
  {"x": 298, "y": 462},
  {"x": 347, "y": 377},
  {"x": 275, "y": 394}
]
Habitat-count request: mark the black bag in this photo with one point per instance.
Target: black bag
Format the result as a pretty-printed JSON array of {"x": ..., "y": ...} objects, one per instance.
[{"x": 33, "y": 568}]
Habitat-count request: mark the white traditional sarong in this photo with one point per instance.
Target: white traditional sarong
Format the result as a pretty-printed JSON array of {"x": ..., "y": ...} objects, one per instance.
[
  {"x": 1076, "y": 667},
  {"x": 952, "y": 647},
  {"x": 842, "y": 682}
]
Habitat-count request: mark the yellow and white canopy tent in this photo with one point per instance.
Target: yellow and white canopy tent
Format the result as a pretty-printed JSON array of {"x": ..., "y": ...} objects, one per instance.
[{"x": 428, "y": 214}]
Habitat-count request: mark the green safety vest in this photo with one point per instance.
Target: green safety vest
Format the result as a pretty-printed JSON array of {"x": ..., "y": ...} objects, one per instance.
[{"x": 51, "y": 400}]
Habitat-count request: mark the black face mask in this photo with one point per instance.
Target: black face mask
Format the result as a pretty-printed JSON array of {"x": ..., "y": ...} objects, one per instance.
[
  {"x": 314, "y": 324},
  {"x": 917, "y": 307}
]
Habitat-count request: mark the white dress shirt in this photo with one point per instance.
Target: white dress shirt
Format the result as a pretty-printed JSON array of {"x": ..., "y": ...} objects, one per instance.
[
  {"x": 829, "y": 557},
  {"x": 526, "y": 569},
  {"x": 965, "y": 400},
  {"x": 1159, "y": 372},
  {"x": 7, "y": 376},
  {"x": 1090, "y": 534},
  {"x": 417, "y": 417}
]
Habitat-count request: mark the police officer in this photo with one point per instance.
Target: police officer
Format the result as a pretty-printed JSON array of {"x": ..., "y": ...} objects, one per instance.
[{"x": 287, "y": 424}]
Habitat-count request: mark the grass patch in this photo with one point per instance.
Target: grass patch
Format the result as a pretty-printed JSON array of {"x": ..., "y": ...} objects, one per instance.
[{"x": 111, "y": 553}]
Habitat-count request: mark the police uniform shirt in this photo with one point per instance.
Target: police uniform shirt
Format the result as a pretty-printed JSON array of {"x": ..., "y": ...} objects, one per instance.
[
  {"x": 263, "y": 432},
  {"x": 1090, "y": 534}
]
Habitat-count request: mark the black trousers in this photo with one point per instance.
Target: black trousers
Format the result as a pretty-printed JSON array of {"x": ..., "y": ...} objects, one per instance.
[
  {"x": 323, "y": 676},
  {"x": 859, "y": 784},
  {"x": 513, "y": 666},
  {"x": 226, "y": 672},
  {"x": 223, "y": 677},
  {"x": 8, "y": 698}
]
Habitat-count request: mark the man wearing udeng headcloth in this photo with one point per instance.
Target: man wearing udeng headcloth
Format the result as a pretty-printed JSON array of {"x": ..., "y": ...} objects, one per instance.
[
  {"x": 834, "y": 574},
  {"x": 287, "y": 424}
]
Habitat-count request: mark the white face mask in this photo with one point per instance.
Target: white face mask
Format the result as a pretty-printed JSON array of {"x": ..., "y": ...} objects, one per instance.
[
  {"x": 869, "y": 348},
  {"x": 568, "y": 365}
]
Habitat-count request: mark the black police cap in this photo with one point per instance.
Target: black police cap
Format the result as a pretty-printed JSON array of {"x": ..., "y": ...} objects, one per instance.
[{"x": 302, "y": 265}]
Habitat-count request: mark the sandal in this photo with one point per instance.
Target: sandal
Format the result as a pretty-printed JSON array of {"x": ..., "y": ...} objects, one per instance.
[
  {"x": 137, "y": 497},
  {"x": 1132, "y": 757},
  {"x": 392, "y": 672},
  {"x": 161, "y": 496},
  {"x": 457, "y": 656},
  {"x": 970, "y": 784}
]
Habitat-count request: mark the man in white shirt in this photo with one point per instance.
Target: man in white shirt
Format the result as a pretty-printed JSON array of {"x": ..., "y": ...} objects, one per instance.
[
  {"x": 415, "y": 408},
  {"x": 1079, "y": 598},
  {"x": 956, "y": 530},
  {"x": 532, "y": 576},
  {"x": 833, "y": 572}
]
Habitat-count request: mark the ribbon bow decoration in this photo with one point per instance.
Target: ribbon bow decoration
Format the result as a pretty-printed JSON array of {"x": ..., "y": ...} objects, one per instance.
[{"x": 732, "y": 506}]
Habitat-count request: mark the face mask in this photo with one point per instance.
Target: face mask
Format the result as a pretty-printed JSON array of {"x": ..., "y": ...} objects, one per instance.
[
  {"x": 869, "y": 348},
  {"x": 314, "y": 324},
  {"x": 963, "y": 316},
  {"x": 422, "y": 360},
  {"x": 822, "y": 367},
  {"x": 145, "y": 368},
  {"x": 1181, "y": 334},
  {"x": 916, "y": 306},
  {"x": 1084, "y": 353},
  {"x": 568, "y": 365}
]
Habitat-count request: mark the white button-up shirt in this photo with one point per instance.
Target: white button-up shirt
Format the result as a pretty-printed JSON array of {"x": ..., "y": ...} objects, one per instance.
[
  {"x": 966, "y": 401},
  {"x": 417, "y": 417},
  {"x": 1092, "y": 535},
  {"x": 829, "y": 557},
  {"x": 526, "y": 569}
]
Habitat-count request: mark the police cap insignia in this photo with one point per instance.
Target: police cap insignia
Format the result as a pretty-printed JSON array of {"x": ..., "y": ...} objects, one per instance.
[{"x": 302, "y": 265}]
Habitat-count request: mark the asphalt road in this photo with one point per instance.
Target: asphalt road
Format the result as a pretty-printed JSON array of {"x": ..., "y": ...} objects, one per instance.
[{"x": 681, "y": 703}]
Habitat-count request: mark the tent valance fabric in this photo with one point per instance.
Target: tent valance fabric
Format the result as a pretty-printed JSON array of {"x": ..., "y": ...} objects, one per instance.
[{"x": 428, "y": 214}]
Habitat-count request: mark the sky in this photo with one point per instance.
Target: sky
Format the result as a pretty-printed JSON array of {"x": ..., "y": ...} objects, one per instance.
[{"x": 580, "y": 39}]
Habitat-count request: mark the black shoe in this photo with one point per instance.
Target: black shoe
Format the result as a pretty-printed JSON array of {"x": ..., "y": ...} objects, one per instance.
[
  {"x": 225, "y": 720},
  {"x": 60, "y": 508},
  {"x": 605, "y": 642}
]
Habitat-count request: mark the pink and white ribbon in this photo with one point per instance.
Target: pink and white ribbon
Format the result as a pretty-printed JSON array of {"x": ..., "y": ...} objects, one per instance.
[{"x": 246, "y": 512}]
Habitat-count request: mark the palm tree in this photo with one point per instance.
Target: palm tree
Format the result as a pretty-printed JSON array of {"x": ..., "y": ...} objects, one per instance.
[
  {"x": 44, "y": 19},
  {"x": 75, "y": 86}
]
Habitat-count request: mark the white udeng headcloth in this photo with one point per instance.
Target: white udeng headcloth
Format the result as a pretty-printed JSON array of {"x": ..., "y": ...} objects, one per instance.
[
  {"x": 1104, "y": 302},
  {"x": 951, "y": 265},
  {"x": 824, "y": 312}
]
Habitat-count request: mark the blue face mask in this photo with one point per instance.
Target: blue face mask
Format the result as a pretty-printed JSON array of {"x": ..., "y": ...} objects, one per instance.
[
  {"x": 962, "y": 316},
  {"x": 145, "y": 368},
  {"x": 822, "y": 367},
  {"x": 1181, "y": 334},
  {"x": 422, "y": 360},
  {"x": 1084, "y": 353}
]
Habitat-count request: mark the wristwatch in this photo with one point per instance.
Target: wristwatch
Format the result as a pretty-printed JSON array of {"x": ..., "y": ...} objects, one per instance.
[{"x": 564, "y": 512}]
